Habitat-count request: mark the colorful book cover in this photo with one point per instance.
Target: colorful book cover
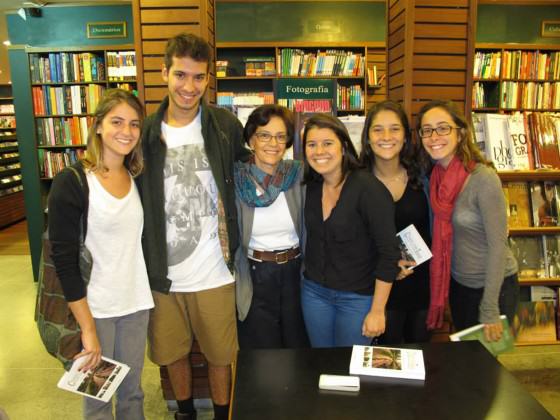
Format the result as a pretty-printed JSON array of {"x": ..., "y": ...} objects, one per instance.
[
  {"x": 517, "y": 201},
  {"x": 528, "y": 251},
  {"x": 387, "y": 362},
  {"x": 535, "y": 322},
  {"x": 544, "y": 201}
]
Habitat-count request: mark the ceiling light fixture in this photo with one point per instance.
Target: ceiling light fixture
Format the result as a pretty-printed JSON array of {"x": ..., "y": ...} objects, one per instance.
[{"x": 7, "y": 43}]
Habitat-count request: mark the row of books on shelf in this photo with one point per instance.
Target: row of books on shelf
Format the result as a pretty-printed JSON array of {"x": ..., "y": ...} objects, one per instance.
[
  {"x": 63, "y": 131},
  {"x": 517, "y": 65},
  {"x": 66, "y": 67},
  {"x": 538, "y": 257},
  {"x": 64, "y": 100},
  {"x": 11, "y": 190},
  {"x": 229, "y": 99},
  {"x": 7, "y": 108},
  {"x": 525, "y": 141},
  {"x": 10, "y": 179},
  {"x": 7, "y": 121},
  {"x": 8, "y": 155},
  {"x": 121, "y": 65},
  {"x": 307, "y": 105},
  {"x": 534, "y": 203},
  {"x": 51, "y": 163},
  {"x": 8, "y": 144},
  {"x": 10, "y": 166},
  {"x": 5, "y": 133},
  {"x": 296, "y": 62},
  {"x": 530, "y": 95},
  {"x": 517, "y": 95},
  {"x": 350, "y": 97}
]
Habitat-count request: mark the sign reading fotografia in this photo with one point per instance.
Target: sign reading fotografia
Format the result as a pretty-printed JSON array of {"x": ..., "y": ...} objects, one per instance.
[
  {"x": 106, "y": 30},
  {"x": 305, "y": 88}
]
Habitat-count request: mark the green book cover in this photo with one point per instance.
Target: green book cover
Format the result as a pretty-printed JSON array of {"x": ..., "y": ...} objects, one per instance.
[{"x": 504, "y": 344}]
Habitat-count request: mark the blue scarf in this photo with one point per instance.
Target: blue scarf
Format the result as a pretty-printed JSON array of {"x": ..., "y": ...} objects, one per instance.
[{"x": 249, "y": 178}]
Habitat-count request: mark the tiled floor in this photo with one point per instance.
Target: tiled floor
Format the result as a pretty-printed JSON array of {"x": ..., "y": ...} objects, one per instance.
[{"x": 28, "y": 375}]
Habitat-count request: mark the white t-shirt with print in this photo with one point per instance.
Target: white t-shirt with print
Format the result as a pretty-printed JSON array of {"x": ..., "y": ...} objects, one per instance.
[{"x": 194, "y": 256}]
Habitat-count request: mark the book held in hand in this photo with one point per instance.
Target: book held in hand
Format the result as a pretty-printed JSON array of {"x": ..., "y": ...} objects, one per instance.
[
  {"x": 99, "y": 383},
  {"x": 505, "y": 343},
  {"x": 387, "y": 362},
  {"x": 412, "y": 246}
]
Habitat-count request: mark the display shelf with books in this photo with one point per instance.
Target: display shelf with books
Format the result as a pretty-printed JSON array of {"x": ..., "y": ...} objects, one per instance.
[
  {"x": 516, "y": 77},
  {"x": 257, "y": 68},
  {"x": 11, "y": 187},
  {"x": 67, "y": 83}
]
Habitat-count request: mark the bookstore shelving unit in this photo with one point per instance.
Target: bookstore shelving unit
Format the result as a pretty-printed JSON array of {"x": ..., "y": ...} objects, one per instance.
[
  {"x": 249, "y": 70},
  {"x": 525, "y": 79},
  {"x": 535, "y": 236},
  {"x": 516, "y": 77},
  {"x": 66, "y": 84},
  {"x": 11, "y": 188}
]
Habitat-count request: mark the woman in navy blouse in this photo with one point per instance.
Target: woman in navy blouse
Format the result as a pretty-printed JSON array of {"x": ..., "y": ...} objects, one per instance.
[{"x": 351, "y": 252}]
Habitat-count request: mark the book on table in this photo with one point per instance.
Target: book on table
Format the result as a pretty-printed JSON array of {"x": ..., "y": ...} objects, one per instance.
[
  {"x": 387, "y": 362},
  {"x": 505, "y": 343},
  {"x": 99, "y": 383}
]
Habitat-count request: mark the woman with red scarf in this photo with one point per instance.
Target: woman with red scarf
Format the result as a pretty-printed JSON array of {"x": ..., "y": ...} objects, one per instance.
[{"x": 472, "y": 263}]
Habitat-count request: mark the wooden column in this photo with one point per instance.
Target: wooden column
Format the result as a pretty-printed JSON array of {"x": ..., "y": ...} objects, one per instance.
[
  {"x": 155, "y": 21},
  {"x": 430, "y": 47}
]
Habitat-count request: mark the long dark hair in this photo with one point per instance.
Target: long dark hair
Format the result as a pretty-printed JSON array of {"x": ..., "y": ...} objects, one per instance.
[
  {"x": 467, "y": 150},
  {"x": 350, "y": 160},
  {"x": 408, "y": 156}
]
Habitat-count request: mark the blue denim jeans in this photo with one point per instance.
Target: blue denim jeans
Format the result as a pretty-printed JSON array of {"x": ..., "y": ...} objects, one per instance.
[{"x": 333, "y": 318}]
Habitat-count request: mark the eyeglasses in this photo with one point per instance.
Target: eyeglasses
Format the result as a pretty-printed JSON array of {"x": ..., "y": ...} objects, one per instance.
[
  {"x": 265, "y": 137},
  {"x": 441, "y": 130}
]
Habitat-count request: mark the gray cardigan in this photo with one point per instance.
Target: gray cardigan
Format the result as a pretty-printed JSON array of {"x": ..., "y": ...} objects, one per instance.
[{"x": 295, "y": 198}]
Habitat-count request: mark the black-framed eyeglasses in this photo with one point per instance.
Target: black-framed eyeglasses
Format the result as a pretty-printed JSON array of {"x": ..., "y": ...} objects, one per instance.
[
  {"x": 441, "y": 130},
  {"x": 264, "y": 137}
]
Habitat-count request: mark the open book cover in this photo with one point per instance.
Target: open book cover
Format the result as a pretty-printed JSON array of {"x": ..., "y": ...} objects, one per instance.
[
  {"x": 477, "y": 333},
  {"x": 412, "y": 246},
  {"x": 387, "y": 362},
  {"x": 99, "y": 383}
]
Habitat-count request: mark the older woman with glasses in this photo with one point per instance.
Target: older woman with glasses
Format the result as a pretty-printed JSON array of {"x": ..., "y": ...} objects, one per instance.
[
  {"x": 268, "y": 262},
  {"x": 472, "y": 263}
]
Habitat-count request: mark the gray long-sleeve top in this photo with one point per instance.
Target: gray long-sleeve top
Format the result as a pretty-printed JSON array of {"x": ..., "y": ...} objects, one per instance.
[{"x": 481, "y": 255}]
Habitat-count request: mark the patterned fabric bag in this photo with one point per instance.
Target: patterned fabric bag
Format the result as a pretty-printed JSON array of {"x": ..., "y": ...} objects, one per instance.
[{"x": 57, "y": 326}]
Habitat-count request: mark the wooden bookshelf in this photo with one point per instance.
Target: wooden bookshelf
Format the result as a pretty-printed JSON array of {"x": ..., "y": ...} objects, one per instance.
[
  {"x": 236, "y": 80},
  {"x": 511, "y": 77},
  {"x": 66, "y": 85}
]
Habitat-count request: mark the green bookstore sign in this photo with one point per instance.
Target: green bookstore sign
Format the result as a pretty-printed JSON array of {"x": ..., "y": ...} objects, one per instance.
[
  {"x": 305, "y": 88},
  {"x": 106, "y": 30}
]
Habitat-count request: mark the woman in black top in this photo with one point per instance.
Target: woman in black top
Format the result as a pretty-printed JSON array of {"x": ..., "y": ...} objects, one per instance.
[
  {"x": 351, "y": 251},
  {"x": 388, "y": 153}
]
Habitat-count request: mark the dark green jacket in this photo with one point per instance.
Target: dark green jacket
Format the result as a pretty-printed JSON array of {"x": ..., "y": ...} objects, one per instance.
[{"x": 223, "y": 143}]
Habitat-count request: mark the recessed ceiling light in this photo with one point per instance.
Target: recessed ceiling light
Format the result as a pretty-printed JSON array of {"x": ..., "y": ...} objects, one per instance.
[{"x": 7, "y": 42}]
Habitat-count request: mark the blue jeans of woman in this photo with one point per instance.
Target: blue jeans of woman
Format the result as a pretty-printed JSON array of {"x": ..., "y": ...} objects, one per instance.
[{"x": 333, "y": 318}]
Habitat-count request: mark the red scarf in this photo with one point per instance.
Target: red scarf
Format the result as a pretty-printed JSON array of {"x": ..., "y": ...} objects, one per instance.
[{"x": 445, "y": 186}]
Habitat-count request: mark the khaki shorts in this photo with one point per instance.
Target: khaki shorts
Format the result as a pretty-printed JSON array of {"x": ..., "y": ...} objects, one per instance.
[{"x": 208, "y": 314}]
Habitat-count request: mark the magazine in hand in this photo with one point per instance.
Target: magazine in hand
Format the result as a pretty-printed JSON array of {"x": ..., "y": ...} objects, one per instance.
[
  {"x": 413, "y": 247},
  {"x": 388, "y": 362},
  {"x": 99, "y": 383},
  {"x": 505, "y": 343}
]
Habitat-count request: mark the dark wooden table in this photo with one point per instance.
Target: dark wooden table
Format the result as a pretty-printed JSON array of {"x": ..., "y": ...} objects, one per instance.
[{"x": 463, "y": 381}]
